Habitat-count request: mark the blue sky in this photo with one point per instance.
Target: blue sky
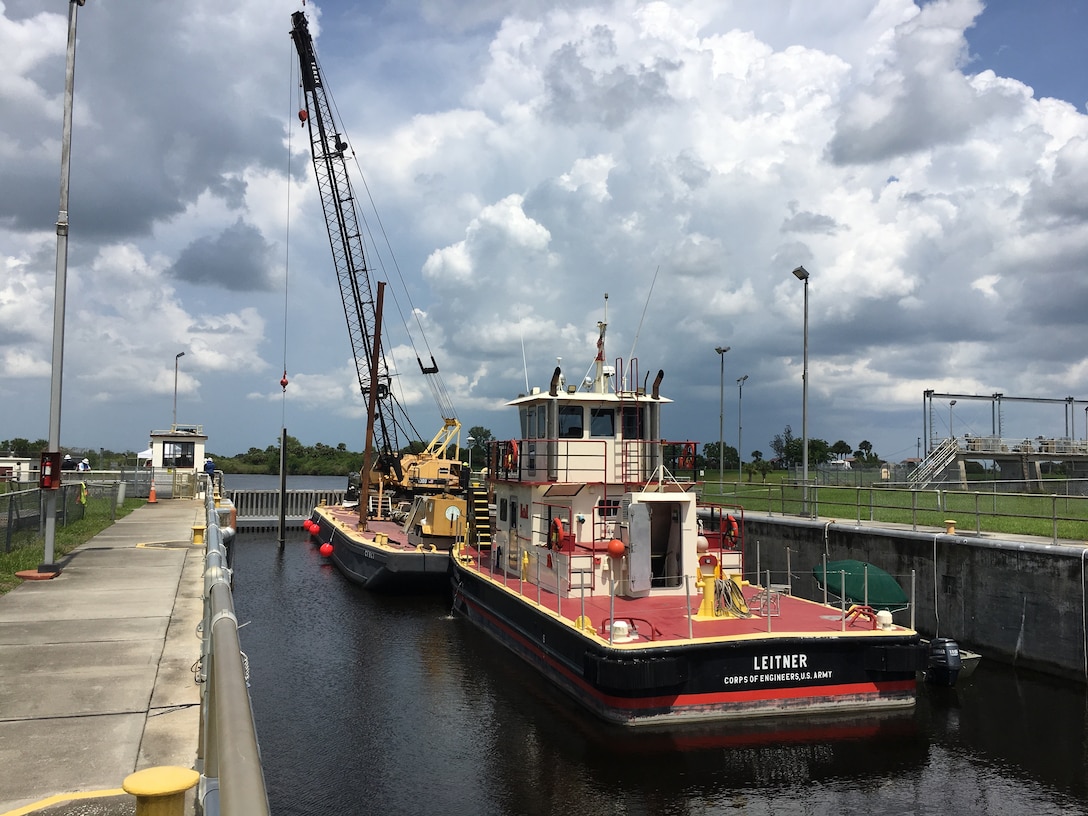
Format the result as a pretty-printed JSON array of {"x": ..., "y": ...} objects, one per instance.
[{"x": 926, "y": 163}]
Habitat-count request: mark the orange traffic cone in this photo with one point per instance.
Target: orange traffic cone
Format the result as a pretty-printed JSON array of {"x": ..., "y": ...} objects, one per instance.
[{"x": 151, "y": 497}]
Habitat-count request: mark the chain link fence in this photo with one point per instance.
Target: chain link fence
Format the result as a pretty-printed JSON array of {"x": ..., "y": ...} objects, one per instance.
[{"x": 22, "y": 509}]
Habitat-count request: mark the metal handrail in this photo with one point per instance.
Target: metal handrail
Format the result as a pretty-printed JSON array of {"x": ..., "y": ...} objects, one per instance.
[{"x": 231, "y": 776}]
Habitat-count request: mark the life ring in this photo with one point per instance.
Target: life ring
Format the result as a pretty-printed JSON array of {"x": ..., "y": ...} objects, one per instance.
[
  {"x": 732, "y": 529},
  {"x": 555, "y": 534},
  {"x": 687, "y": 456},
  {"x": 510, "y": 456}
]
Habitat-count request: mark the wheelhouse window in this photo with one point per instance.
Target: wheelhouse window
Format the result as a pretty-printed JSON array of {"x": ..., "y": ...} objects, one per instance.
[
  {"x": 570, "y": 422},
  {"x": 602, "y": 422},
  {"x": 526, "y": 416},
  {"x": 631, "y": 417}
]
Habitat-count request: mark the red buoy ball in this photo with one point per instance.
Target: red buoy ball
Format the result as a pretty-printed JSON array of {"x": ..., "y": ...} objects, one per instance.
[
  {"x": 616, "y": 548},
  {"x": 326, "y": 549},
  {"x": 308, "y": 526}
]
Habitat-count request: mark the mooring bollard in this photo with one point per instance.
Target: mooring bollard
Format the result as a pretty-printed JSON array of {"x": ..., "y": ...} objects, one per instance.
[
  {"x": 950, "y": 526},
  {"x": 160, "y": 791}
]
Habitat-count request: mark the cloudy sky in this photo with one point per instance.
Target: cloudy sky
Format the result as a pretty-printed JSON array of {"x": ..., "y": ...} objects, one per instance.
[{"x": 927, "y": 163}]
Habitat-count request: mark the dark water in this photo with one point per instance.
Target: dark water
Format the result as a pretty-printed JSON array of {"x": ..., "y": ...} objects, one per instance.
[{"x": 387, "y": 705}]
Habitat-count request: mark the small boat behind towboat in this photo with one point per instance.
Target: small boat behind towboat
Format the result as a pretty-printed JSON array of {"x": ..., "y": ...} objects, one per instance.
[
  {"x": 405, "y": 549},
  {"x": 627, "y": 592}
]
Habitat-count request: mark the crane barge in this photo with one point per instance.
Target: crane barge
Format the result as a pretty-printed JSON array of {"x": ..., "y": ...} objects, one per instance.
[{"x": 401, "y": 535}]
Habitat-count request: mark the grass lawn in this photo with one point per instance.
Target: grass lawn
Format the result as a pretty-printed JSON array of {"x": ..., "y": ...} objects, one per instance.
[
  {"x": 28, "y": 547},
  {"x": 972, "y": 508}
]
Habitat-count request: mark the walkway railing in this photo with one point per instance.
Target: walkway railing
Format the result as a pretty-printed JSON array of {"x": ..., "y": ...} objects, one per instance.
[
  {"x": 260, "y": 509},
  {"x": 232, "y": 779},
  {"x": 985, "y": 509}
]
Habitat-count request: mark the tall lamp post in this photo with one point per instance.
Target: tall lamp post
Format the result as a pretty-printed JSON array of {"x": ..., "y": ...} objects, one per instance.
[
  {"x": 950, "y": 434},
  {"x": 177, "y": 357},
  {"x": 721, "y": 417},
  {"x": 802, "y": 275},
  {"x": 471, "y": 444},
  {"x": 60, "y": 290},
  {"x": 740, "y": 398}
]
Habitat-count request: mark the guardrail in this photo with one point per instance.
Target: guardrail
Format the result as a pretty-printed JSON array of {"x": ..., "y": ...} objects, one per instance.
[
  {"x": 228, "y": 758},
  {"x": 260, "y": 509},
  {"x": 1058, "y": 516}
]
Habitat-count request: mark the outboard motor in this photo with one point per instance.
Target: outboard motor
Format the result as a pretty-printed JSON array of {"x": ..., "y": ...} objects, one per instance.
[{"x": 943, "y": 662}]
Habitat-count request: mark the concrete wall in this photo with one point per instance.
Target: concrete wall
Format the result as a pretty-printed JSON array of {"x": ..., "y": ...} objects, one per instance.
[{"x": 1015, "y": 601}]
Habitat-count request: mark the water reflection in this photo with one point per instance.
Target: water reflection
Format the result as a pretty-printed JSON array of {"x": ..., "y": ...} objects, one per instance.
[{"x": 383, "y": 704}]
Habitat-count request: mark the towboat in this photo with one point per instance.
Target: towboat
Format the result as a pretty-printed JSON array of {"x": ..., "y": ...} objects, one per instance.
[{"x": 588, "y": 558}]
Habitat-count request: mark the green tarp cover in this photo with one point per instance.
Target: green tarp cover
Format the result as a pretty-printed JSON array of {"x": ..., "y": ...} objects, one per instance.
[{"x": 884, "y": 590}]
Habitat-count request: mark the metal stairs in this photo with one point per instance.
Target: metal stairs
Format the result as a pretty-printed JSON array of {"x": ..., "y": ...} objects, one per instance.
[
  {"x": 480, "y": 512},
  {"x": 933, "y": 466}
]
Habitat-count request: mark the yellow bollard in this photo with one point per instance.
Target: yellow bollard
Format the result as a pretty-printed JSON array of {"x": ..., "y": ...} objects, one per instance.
[
  {"x": 160, "y": 791},
  {"x": 198, "y": 533},
  {"x": 706, "y": 609},
  {"x": 950, "y": 526}
]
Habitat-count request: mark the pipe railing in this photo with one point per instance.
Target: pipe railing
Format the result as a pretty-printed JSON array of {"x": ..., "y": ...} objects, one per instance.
[{"x": 232, "y": 779}]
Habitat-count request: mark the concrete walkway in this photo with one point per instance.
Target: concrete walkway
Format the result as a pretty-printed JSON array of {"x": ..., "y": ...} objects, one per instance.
[{"x": 96, "y": 667}]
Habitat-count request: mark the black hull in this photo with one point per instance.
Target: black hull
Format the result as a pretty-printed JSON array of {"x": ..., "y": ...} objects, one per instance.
[
  {"x": 694, "y": 681},
  {"x": 384, "y": 569}
]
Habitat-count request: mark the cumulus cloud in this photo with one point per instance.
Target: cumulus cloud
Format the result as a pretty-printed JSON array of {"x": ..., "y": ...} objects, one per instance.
[{"x": 525, "y": 159}]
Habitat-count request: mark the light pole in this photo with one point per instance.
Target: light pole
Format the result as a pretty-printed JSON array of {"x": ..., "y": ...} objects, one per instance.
[
  {"x": 721, "y": 416},
  {"x": 177, "y": 357},
  {"x": 740, "y": 398},
  {"x": 60, "y": 290},
  {"x": 471, "y": 443},
  {"x": 802, "y": 275},
  {"x": 950, "y": 434}
]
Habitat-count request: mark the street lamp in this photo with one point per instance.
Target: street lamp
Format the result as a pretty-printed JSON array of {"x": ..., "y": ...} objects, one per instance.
[
  {"x": 740, "y": 398},
  {"x": 721, "y": 416},
  {"x": 952, "y": 435},
  {"x": 802, "y": 275},
  {"x": 471, "y": 443},
  {"x": 177, "y": 357},
  {"x": 60, "y": 292}
]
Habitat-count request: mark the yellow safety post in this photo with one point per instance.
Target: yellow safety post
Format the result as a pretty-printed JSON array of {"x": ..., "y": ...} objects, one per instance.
[
  {"x": 198, "y": 533},
  {"x": 709, "y": 572},
  {"x": 706, "y": 609},
  {"x": 525, "y": 566},
  {"x": 160, "y": 791}
]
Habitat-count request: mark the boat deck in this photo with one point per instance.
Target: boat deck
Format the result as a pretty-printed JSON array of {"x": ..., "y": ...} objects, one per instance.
[
  {"x": 676, "y": 616},
  {"x": 346, "y": 521}
]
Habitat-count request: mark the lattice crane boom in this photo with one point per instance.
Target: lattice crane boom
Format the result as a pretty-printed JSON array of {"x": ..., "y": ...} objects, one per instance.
[{"x": 327, "y": 148}]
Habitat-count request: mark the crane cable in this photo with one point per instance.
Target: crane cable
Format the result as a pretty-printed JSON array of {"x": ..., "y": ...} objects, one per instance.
[
  {"x": 434, "y": 380},
  {"x": 292, "y": 81}
]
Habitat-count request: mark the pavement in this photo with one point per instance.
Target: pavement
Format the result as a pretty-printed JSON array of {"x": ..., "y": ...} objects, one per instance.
[{"x": 97, "y": 667}]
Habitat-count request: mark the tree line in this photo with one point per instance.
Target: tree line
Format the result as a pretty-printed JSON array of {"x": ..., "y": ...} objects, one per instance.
[{"x": 325, "y": 460}]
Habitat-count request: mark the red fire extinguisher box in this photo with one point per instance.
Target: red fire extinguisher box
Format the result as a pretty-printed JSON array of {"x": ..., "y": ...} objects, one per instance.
[{"x": 49, "y": 478}]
